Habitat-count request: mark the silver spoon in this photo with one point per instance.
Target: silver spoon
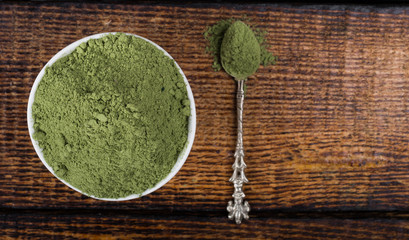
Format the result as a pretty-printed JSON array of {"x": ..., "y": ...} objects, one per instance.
[{"x": 240, "y": 58}]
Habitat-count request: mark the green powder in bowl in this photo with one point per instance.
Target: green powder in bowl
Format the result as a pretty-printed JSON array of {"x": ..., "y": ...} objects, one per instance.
[{"x": 112, "y": 116}]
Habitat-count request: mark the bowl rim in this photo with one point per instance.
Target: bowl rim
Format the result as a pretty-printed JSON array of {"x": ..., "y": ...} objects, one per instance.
[{"x": 191, "y": 127}]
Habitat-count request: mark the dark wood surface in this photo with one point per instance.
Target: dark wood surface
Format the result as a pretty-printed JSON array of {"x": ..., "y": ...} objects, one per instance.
[
  {"x": 122, "y": 226},
  {"x": 326, "y": 129}
]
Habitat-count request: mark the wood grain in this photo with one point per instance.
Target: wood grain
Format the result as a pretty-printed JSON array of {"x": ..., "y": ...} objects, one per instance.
[
  {"x": 325, "y": 129},
  {"x": 125, "y": 226}
]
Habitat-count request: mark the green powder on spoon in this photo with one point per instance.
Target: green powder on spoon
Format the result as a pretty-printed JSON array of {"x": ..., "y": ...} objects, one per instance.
[
  {"x": 112, "y": 117},
  {"x": 240, "y": 51},
  {"x": 215, "y": 35}
]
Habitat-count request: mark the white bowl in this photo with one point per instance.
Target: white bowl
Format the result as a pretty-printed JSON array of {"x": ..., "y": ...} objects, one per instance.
[{"x": 182, "y": 156}]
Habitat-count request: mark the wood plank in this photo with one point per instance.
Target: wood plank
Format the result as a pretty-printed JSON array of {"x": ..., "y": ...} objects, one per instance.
[
  {"x": 325, "y": 129},
  {"x": 125, "y": 226}
]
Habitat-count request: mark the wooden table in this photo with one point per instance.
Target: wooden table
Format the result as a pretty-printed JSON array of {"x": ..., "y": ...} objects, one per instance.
[{"x": 326, "y": 129}]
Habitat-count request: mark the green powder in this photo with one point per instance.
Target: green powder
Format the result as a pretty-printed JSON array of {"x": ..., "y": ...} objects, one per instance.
[
  {"x": 214, "y": 35},
  {"x": 240, "y": 51},
  {"x": 112, "y": 117}
]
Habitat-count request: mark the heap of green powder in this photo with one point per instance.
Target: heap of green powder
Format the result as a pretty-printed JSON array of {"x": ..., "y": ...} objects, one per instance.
[
  {"x": 214, "y": 35},
  {"x": 112, "y": 117},
  {"x": 240, "y": 51}
]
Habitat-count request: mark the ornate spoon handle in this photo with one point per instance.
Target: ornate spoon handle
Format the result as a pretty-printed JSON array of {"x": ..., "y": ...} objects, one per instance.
[{"x": 239, "y": 210}]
